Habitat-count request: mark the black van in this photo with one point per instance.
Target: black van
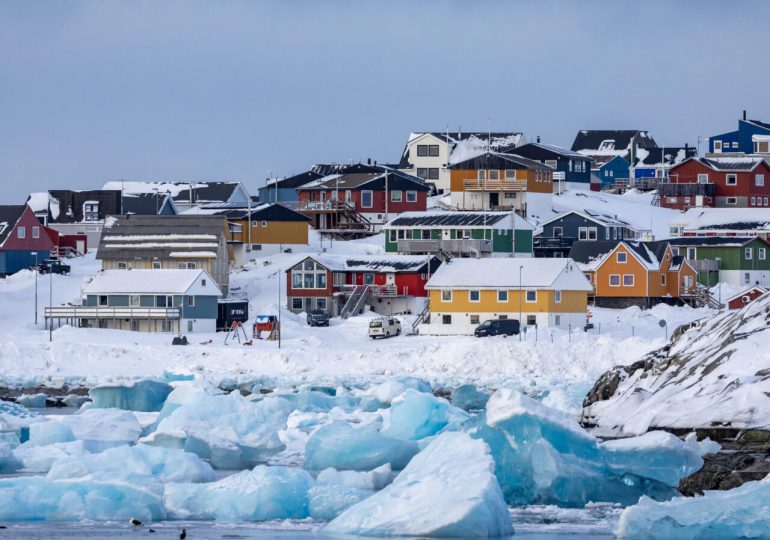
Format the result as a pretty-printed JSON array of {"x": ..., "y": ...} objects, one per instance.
[{"x": 497, "y": 327}]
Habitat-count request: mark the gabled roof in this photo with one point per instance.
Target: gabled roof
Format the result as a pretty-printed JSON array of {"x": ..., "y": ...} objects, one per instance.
[
  {"x": 375, "y": 263},
  {"x": 724, "y": 219},
  {"x": 325, "y": 169},
  {"x": 458, "y": 219},
  {"x": 594, "y": 253},
  {"x": 368, "y": 180},
  {"x": 759, "y": 123},
  {"x": 493, "y": 273},
  {"x": 721, "y": 241},
  {"x": 150, "y": 282},
  {"x": 179, "y": 191},
  {"x": 495, "y": 160},
  {"x": 10, "y": 215},
  {"x": 541, "y": 151},
  {"x": 731, "y": 163},
  {"x": 610, "y": 141},
  {"x": 601, "y": 161},
  {"x": 596, "y": 217},
  {"x": 262, "y": 212},
  {"x": 744, "y": 292},
  {"x": 293, "y": 181},
  {"x": 145, "y": 204},
  {"x": 668, "y": 156}
]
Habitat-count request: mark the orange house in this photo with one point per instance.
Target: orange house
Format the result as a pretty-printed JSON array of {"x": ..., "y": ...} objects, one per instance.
[{"x": 635, "y": 273}]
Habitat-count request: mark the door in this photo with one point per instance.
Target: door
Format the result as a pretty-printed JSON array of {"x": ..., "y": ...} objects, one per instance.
[
  {"x": 494, "y": 200},
  {"x": 445, "y": 234},
  {"x": 308, "y": 305},
  {"x": 80, "y": 246}
]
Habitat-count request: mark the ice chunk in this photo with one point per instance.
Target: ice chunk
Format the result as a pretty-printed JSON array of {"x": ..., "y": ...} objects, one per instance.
[
  {"x": 99, "y": 429},
  {"x": 40, "y": 458},
  {"x": 327, "y": 501},
  {"x": 261, "y": 494},
  {"x": 416, "y": 415},
  {"x": 343, "y": 447},
  {"x": 307, "y": 400},
  {"x": 373, "y": 480},
  {"x": 447, "y": 490},
  {"x": 741, "y": 512},
  {"x": 8, "y": 461},
  {"x": 145, "y": 396},
  {"x": 49, "y": 432},
  {"x": 230, "y": 431},
  {"x": 381, "y": 395},
  {"x": 469, "y": 398},
  {"x": 75, "y": 400},
  {"x": 32, "y": 401},
  {"x": 125, "y": 462}
]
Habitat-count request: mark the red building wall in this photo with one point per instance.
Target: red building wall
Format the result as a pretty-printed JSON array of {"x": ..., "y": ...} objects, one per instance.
[
  {"x": 687, "y": 173},
  {"x": 28, "y": 243},
  {"x": 737, "y": 303},
  {"x": 378, "y": 200}
]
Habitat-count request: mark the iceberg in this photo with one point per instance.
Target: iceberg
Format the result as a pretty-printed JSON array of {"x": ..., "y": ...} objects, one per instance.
[
  {"x": 373, "y": 480},
  {"x": 8, "y": 460},
  {"x": 447, "y": 490},
  {"x": 143, "y": 396},
  {"x": 469, "y": 398},
  {"x": 99, "y": 429},
  {"x": 261, "y": 494},
  {"x": 32, "y": 401},
  {"x": 307, "y": 400},
  {"x": 40, "y": 458},
  {"x": 415, "y": 415},
  {"x": 741, "y": 512},
  {"x": 327, "y": 501},
  {"x": 380, "y": 396},
  {"x": 343, "y": 447},
  {"x": 229, "y": 431}
]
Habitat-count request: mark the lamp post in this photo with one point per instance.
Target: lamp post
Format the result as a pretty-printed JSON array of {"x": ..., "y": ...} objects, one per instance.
[
  {"x": 50, "y": 304},
  {"x": 521, "y": 326},
  {"x": 37, "y": 271},
  {"x": 280, "y": 275}
]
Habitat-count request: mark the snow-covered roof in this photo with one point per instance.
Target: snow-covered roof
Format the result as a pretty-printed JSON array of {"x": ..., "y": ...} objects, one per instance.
[
  {"x": 724, "y": 219},
  {"x": 590, "y": 255},
  {"x": 597, "y": 217},
  {"x": 744, "y": 292},
  {"x": 150, "y": 282},
  {"x": 440, "y": 219},
  {"x": 732, "y": 163},
  {"x": 495, "y": 273},
  {"x": 467, "y": 145},
  {"x": 38, "y": 201},
  {"x": 372, "y": 263}
]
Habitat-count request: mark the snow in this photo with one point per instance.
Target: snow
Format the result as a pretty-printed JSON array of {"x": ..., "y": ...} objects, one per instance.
[
  {"x": 137, "y": 188},
  {"x": 194, "y": 254},
  {"x": 38, "y": 201},
  {"x": 741, "y": 512},
  {"x": 453, "y": 474},
  {"x": 372, "y": 263},
  {"x": 155, "y": 245},
  {"x": 170, "y": 281},
  {"x": 706, "y": 218},
  {"x": 146, "y": 237}
]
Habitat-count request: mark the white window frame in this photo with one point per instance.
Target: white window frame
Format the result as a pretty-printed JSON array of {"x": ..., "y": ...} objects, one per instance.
[
  {"x": 633, "y": 280},
  {"x": 620, "y": 280},
  {"x": 663, "y": 280},
  {"x": 134, "y": 300},
  {"x": 157, "y": 265},
  {"x": 396, "y": 195},
  {"x": 761, "y": 253},
  {"x": 703, "y": 178},
  {"x": 411, "y": 196},
  {"x": 526, "y": 297},
  {"x": 371, "y": 198},
  {"x": 502, "y": 296},
  {"x": 625, "y": 257},
  {"x": 190, "y": 301},
  {"x": 35, "y": 232},
  {"x": 295, "y": 300},
  {"x": 717, "y": 147},
  {"x": 470, "y": 296},
  {"x": 732, "y": 201},
  {"x": 21, "y": 232},
  {"x": 748, "y": 253},
  {"x": 557, "y": 296},
  {"x": 446, "y": 295},
  {"x": 731, "y": 179},
  {"x": 759, "y": 180}
]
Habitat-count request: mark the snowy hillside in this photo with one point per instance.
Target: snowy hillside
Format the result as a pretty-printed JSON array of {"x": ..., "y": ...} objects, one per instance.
[{"x": 717, "y": 373}]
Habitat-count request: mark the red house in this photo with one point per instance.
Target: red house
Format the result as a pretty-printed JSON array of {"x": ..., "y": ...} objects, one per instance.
[
  {"x": 23, "y": 239},
  {"x": 346, "y": 285},
  {"x": 365, "y": 199},
  {"x": 728, "y": 182},
  {"x": 746, "y": 297}
]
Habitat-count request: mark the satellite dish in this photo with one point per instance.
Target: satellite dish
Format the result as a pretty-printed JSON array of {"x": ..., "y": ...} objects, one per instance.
[{"x": 662, "y": 323}]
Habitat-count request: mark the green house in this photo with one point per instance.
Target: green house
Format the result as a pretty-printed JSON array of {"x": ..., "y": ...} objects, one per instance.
[
  {"x": 728, "y": 259},
  {"x": 459, "y": 234}
]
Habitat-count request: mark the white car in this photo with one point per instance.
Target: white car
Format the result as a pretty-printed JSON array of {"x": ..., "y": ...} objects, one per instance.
[{"x": 384, "y": 327}]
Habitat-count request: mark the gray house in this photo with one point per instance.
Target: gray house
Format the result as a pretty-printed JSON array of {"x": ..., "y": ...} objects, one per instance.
[
  {"x": 167, "y": 243},
  {"x": 559, "y": 233},
  {"x": 145, "y": 301}
]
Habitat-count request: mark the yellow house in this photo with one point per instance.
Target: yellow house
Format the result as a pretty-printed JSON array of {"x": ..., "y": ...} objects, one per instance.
[{"x": 464, "y": 293}]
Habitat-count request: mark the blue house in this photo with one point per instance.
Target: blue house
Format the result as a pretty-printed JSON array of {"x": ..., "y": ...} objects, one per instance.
[
  {"x": 751, "y": 137},
  {"x": 285, "y": 190},
  {"x": 609, "y": 170},
  {"x": 574, "y": 167},
  {"x": 559, "y": 233},
  {"x": 656, "y": 162}
]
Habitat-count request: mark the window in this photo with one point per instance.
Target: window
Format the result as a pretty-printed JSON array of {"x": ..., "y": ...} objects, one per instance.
[
  {"x": 753, "y": 201},
  {"x": 482, "y": 174},
  {"x": 396, "y": 195},
  {"x": 191, "y": 265},
  {"x": 22, "y": 232},
  {"x": 433, "y": 173},
  {"x": 320, "y": 303},
  {"x": 203, "y": 283},
  {"x": 446, "y": 319},
  {"x": 703, "y": 178},
  {"x": 510, "y": 174},
  {"x": 558, "y": 232},
  {"x": 691, "y": 253},
  {"x": 732, "y": 200},
  {"x": 589, "y": 277},
  {"x": 156, "y": 265},
  {"x": 446, "y": 296},
  {"x": 759, "y": 180},
  {"x": 748, "y": 253},
  {"x": 531, "y": 320},
  {"x": 35, "y": 232},
  {"x": 765, "y": 202},
  {"x": 731, "y": 179},
  {"x": 264, "y": 224},
  {"x": 392, "y": 235},
  {"x": 91, "y": 211},
  {"x": 663, "y": 279},
  {"x": 474, "y": 296},
  {"x": 502, "y": 296},
  {"x": 164, "y": 301},
  {"x": 190, "y": 301},
  {"x": 366, "y": 199},
  {"x": 103, "y": 300},
  {"x": 550, "y": 163},
  {"x": 296, "y": 303},
  {"x": 433, "y": 150},
  {"x": 494, "y": 174},
  {"x": 338, "y": 278},
  {"x": 422, "y": 172},
  {"x": 628, "y": 280},
  {"x": 587, "y": 233},
  {"x": 622, "y": 257},
  {"x": 133, "y": 300},
  {"x": 746, "y": 278},
  {"x": 422, "y": 150},
  {"x": 717, "y": 146},
  {"x": 122, "y": 265},
  {"x": 761, "y": 147},
  {"x": 761, "y": 254},
  {"x": 531, "y": 296},
  {"x": 557, "y": 297},
  {"x": 411, "y": 196},
  {"x": 368, "y": 279},
  {"x": 474, "y": 319},
  {"x": 308, "y": 275},
  {"x": 614, "y": 280}
]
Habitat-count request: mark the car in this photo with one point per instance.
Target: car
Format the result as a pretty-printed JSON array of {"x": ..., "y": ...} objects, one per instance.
[
  {"x": 54, "y": 266},
  {"x": 384, "y": 327},
  {"x": 497, "y": 327},
  {"x": 318, "y": 317}
]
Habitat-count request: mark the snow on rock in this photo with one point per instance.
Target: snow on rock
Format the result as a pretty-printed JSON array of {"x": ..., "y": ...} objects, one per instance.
[
  {"x": 469, "y": 398},
  {"x": 714, "y": 372},
  {"x": 229, "y": 431},
  {"x": 415, "y": 415},
  {"x": 343, "y": 447},
  {"x": 447, "y": 490},
  {"x": 264, "y": 493},
  {"x": 741, "y": 512},
  {"x": 99, "y": 429},
  {"x": 144, "y": 395}
]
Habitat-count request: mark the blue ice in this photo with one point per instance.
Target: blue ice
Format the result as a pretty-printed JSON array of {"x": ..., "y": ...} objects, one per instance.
[
  {"x": 145, "y": 395},
  {"x": 469, "y": 398},
  {"x": 415, "y": 415}
]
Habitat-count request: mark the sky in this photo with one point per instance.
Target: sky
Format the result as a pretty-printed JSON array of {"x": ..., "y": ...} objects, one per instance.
[{"x": 100, "y": 90}]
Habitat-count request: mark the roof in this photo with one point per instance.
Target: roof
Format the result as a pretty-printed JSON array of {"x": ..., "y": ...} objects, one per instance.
[
  {"x": 667, "y": 156},
  {"x": 610, "y": 141},
  {"x": 745, "y": 292},
  {"x": 759, "y": 123},
  {"x": 596, "y": 217},
  {"x": 536, "y": 150},
  {"x": 148, "y": 282},
  {"x": 262, "y": 212},
  {"x": 10, "y": 215},
  {"x": 375, "y": 263},
  {"x": 731, "y": 163},
  {"x": 293, "y": 181},
  {"x": 495, "y": 160},
  {"x": 325, "y": 169},
  {"x": 492, "y": 273},
  {"x": 724, "y": 219},
  {"x": 371, "y": 180},
  {"x": 593, "y": 253},
  {"x": 179, "y": 191},
  {"x": 146, "y": 204},
  {"x": 458, "y": 219},
  {"x": 722, "y": 241},
  {"x": 465, "y": 145}
]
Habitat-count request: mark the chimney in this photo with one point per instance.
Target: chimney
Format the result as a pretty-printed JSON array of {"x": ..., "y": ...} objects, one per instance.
[
  {"x": 744, "y": 115},
  {"x": 538, "y": 139},
  {"x": 368, "y": 161}
]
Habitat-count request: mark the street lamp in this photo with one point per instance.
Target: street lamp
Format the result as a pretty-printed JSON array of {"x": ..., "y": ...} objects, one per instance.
[
  {"x": 50, "y": 303},
  {"x": 37, "y": 271},
  {"x": 521, "y": 326}
]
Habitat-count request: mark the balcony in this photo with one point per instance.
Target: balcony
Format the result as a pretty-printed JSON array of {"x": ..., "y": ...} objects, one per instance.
[
  {"x": 495, "y": 185},
  {"x": 86, "y": 312},
  {"x": 320, "y": 206},
  {"x": 553, "y": 242},
  {"x": 461, "y": 246},
  {"x": 704, "y": 265},
  {"x": 687, "y": 190},
  {"x": 383, "y": 291}
]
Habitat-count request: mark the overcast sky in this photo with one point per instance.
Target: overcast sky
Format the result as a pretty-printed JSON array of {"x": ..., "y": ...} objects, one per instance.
[{"x": 229, "y": 90}]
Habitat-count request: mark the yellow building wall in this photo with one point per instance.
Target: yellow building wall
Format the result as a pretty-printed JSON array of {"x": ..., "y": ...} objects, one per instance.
[
  {"x": 571, "y": 302},
  {"x": 277, "y": 232}
]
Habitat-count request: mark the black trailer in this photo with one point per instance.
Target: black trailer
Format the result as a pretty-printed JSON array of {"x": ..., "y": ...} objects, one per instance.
[{"x": 230, "y": 311}]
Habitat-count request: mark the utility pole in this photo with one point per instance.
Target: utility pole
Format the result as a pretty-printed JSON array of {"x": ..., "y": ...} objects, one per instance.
[
  {"x": 386, "y": 195},
  {"x": 280, "y": 275},
  {"x": 37, "y": 271},
  {"x": 521, "y": 326},
  {"x": 50, "y": 304}
]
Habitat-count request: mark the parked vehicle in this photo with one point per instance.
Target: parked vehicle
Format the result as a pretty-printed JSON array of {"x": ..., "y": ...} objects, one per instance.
[
  {"x": 497, "y": 327},
  {"x": 318, "y": 317},
  {"x": 54, "y": 266},
  {"x": 384, "y": 327}
]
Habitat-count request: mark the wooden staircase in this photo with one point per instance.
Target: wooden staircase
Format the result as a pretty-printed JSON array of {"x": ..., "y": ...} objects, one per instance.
[
  {"x": 420, "y": 318},
  {"x": 356, "y": 301}
]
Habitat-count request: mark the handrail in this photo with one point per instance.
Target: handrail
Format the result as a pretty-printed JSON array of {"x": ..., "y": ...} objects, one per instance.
[
  {"x": 102, "y": 312},
  {"x": 494, "y": 185}
]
